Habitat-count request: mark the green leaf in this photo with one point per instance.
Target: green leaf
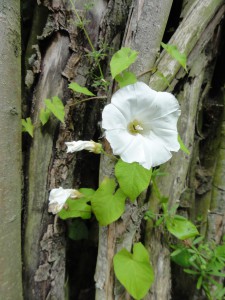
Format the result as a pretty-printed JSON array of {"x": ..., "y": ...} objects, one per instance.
[
  {"x": 159, "y": 221},
  {"x": 199, "y": 283},
  {"x": 27, "y": 126},
  {"x": 132, "y": 178},
  {"x": 121, "y": 60},
  {"x": 158, "y": 172},
  {"x": 176, "y": 252},
  {"x": 198, "y": 240},
  {"x": 220, "y": 251},
  {"x": 134, "y": 271},
  {"x": 77, "y": 230},
  {"x": 181, "y": 257},
  {"x": 76, "y": 208},
  {"x": 182, "y": 146},
  {"x": 191, "y": 272},
  {"x": 44, "y": 116},
  {"x": 106, "y": 205},
  {"x": 217, "y": 273},
  {"x": 87, "y": 192},
  {"x": 149, "y": 215},
  {"x": 181, "y": 228},
  {"x": 175, "y": 53},
  {"x": 125, "y": 78},
  {"x": 56, "y": 107},
  {"x": 79, "y": 89},
  {"x": 160, "y": 74}
]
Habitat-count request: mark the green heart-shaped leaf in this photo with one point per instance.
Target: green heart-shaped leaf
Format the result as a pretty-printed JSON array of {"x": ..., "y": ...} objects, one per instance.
[
  {"x": 56, "y": 107},
  {"x": 181, "y": 228},
  {"x": 132, "y": 178},
  {"x": 106, "y": 205},
  {"x": 80, "y": 89},
  {"x": 126, "y": 78},
  {"x": 27, "y": 126},
  {"x": 176, "y": 54},
  {"x": 44, "y": 116},
  {"x": 121, "y": 60},
  {"x": 134, "y": 271},
  {"x": 75, "y": 208}
]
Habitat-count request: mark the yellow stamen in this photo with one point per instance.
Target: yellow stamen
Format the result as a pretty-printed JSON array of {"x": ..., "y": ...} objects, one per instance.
[{"x": 135, "y": 127}]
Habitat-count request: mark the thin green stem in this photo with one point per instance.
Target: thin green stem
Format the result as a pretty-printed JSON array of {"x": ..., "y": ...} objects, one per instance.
[
  {"x": 87, "y": 36},
  {"x": 156, "y": 189},
  {"x": 145, "y": 72}
]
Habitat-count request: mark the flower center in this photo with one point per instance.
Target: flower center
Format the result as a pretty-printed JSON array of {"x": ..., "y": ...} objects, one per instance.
[{"x": 135, "y": 127}]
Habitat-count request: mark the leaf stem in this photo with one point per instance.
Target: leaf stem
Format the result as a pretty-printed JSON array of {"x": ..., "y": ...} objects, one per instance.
[{"x": 145, "y": 72}]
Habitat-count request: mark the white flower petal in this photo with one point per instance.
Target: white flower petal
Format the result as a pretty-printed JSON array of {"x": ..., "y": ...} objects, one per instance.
[
  {"x": 155, "y": 150},
  {"x": 58, "y": 197},
  {"x": 162, "y": 105},
  {"x": 119, "y": 140},
  {"x": 75, "y": 146},
  {"x": 83, "y": 145},
  {"x": 134, "y": 152},
  {"x": 112, "y": 118},
  {"x": 168, "y": 121},
  {"x": 169, "y": 138},
  {"x": 132, "y": 98}
]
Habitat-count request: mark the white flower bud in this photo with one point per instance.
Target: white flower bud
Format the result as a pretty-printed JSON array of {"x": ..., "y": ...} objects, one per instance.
[
  {"x": 58, "y": 197},
  {"x": 83, "y": 145}
]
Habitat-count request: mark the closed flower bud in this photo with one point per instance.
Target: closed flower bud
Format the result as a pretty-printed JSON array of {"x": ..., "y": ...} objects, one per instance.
[
  {"x": 83, "y": 145},
  {"x": 58, "y": 197}
]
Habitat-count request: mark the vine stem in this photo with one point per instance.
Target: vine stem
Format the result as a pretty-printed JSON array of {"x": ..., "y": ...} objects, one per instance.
[
  {"x": 87, "y": 35},
  {"x": 87, "y": 99}
]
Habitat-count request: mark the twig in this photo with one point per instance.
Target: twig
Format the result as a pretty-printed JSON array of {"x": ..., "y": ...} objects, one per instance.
[{"x": 87, "y": 99}]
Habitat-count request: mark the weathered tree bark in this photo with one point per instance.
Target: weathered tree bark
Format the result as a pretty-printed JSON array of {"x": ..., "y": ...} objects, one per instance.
[
  {"x": 60, "y": 59},
  {"x": 191, "y": 94},
  {"x": 10, "y": 148},
  {"x": 144, "y": 16},
  {"x": 56, "y": 54}
]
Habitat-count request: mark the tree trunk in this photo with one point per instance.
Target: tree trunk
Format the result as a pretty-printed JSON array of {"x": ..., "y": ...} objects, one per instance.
[
  {"x": 10, "y": 147},
  {"x": 56, "y": 54},
  {"x": 205, "y": 17}
]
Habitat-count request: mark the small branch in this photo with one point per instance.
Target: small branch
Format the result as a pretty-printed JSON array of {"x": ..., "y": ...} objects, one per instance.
[
  {"x": 145, "y": 72},
  {"x": 87, "y": 99}
]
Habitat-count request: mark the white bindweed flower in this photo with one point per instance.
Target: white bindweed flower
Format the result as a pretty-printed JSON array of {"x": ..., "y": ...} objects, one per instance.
[
  {"x": 141, "y": 124},
  {"x": 83, "y": 145},
  {"x": 58, "y": 197}
]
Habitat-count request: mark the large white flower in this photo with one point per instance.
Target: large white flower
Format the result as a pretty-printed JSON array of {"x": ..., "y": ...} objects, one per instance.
[
  {"x": 141, "y": 125},
  {"x": 58, "y": 197}
]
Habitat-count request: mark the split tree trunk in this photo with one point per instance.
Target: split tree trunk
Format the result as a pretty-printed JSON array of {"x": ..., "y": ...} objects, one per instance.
[{"x": 10, "y": 148}]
